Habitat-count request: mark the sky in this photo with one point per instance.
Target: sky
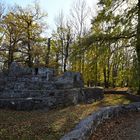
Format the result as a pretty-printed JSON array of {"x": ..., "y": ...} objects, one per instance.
[{"x": 52, "y": 7}]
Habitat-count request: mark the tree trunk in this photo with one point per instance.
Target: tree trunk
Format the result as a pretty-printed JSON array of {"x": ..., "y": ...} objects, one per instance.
[
  {"x": 65, "y": 60},
  {"x": 138, "y": 46},
  {"x": 48, "y": 52},
  {"x": 66, "y": 52},
  {"x": 62, "y": 52},
  {"x": 114, "y": 75},
  {"x": 96, "y": 72},
  {"x": 11, "y": 51},
  {"x": 30, "y": 62},
  {"x": 105, "y": 77},
  {"x": 108, "y": 73}
]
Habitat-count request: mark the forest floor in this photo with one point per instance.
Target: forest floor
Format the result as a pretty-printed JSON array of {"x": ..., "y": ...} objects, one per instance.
[
  {"x": 125, "y": 127},
  {"x": 43, "y": 125}
]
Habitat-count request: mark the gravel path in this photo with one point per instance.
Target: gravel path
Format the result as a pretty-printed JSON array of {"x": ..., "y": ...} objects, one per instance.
[{"x": 125, "y": 127}]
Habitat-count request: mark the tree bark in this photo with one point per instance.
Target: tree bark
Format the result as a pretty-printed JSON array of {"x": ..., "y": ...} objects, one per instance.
[
  {"x": 138, "y": 46},
  {"x": 30, "y": 63},
  {"x": 11, "y": 51},
  {"x": 48, "y": 52}
]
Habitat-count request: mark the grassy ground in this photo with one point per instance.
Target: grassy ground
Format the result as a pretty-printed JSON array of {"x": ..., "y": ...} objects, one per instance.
[{"x": 41, "y": 125}]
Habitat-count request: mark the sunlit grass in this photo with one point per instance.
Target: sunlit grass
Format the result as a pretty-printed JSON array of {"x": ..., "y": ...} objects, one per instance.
[{"x": 41, "y": 125}]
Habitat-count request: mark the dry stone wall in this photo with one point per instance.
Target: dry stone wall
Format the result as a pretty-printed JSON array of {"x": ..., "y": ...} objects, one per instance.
[
  {"x": 33, "y": 99},
  {"x": 26, "y": 89},
  {"x": 86, "y": 128}
]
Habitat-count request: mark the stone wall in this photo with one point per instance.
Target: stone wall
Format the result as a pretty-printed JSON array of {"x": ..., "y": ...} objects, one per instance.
[
  {"x": 37, "y": 99},
  {"x": 86, "y": 128},
  {"x": 27, "y": 88}
]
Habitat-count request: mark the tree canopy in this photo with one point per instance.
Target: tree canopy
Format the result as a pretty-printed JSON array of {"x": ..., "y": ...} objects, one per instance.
[{"x": 107, "y": 54}]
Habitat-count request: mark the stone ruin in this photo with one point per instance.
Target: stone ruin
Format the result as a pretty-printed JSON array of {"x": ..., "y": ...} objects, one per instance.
[
  {"x": 43, "y": 78},
  {"x": 33, "y": 88}
]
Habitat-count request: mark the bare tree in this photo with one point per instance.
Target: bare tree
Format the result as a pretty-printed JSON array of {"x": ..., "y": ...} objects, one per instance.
[
  {"x": 79, "y": 15},
  {"x": 79, "y": 18},
  {"x": 64, "y": 37},
  {"x": 60, "y": 23}
]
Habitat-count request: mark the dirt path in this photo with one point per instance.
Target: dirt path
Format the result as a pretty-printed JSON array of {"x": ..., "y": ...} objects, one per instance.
[{"x": 125, "y": 127}]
